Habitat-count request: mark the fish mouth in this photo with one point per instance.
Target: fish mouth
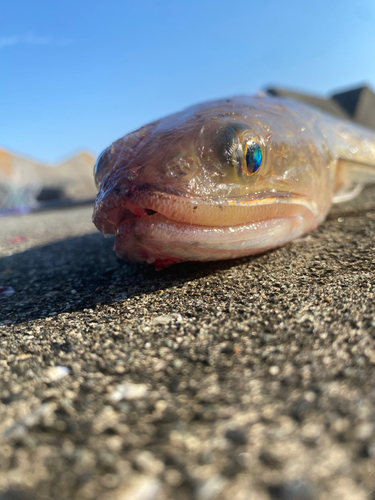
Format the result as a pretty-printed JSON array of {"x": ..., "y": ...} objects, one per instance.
[{"x": 164, "y": 228}]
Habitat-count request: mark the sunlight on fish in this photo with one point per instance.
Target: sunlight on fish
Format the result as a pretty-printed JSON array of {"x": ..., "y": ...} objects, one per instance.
[{"x": 227, "y": 179}]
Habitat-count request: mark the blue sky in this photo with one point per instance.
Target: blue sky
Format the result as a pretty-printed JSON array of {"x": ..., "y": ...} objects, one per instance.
[{"x": 78, "y": 74}]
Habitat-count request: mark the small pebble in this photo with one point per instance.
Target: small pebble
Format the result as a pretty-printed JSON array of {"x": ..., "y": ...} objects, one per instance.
[
  {"x": 162, "y": 320},
  {"x": 237, "y": 436},
  {"x": 129, "y": 392},
  {"x": 274, "y": 370},
  {"x": 57, "y": 372},
  {"x": 6, "y": 291}
]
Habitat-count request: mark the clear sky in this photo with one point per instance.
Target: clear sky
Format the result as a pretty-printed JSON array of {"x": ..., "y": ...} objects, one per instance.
[{"x": 78, "y": 74}]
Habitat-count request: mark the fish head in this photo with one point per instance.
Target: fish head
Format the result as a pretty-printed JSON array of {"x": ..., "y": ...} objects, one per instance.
[{"x": 227, "y": 164}]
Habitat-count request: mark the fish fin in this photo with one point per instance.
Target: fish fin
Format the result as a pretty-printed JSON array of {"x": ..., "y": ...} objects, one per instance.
[
  {"x": 347, "y": 193},
  {"x": 351, "y": 178}
]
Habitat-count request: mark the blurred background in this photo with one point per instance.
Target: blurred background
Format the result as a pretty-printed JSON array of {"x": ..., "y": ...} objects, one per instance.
[{"x": 77, "y": 75}]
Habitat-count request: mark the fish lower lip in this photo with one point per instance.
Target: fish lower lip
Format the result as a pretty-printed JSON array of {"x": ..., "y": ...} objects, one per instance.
[{"x": 162, "y": 242}]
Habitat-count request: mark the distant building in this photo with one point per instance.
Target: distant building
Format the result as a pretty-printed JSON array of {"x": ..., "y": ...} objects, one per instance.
[
  {"x": 356, "y": 104},
  {"x": 26, "y": 183}
]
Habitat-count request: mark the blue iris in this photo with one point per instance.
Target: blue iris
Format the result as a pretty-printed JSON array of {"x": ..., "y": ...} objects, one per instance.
[{"x": 254, "y": 157}]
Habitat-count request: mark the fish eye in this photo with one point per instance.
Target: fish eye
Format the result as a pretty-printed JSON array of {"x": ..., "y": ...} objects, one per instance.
[
  {"x": 238, "y": 150},
  {"x": 253, "y": 157}
]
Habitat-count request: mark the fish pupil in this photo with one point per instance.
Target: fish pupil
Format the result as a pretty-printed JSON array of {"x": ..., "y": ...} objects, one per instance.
[{"x": 253, "y": 157}]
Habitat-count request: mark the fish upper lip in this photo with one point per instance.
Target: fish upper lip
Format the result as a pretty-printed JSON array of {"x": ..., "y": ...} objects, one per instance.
[
  {"x": 129, "y": 203},
  {"x": 115, "y": 194}
]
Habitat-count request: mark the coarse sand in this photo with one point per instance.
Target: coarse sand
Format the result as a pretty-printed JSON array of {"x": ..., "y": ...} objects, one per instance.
[{"x": 241, "y": 380}]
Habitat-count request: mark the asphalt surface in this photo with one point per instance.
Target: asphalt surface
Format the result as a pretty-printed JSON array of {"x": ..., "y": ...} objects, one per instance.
[{"x": 250, "y": 379}]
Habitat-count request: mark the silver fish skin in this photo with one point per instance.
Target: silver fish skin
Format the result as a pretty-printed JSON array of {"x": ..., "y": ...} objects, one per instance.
[{"x": 228, "y": 178}]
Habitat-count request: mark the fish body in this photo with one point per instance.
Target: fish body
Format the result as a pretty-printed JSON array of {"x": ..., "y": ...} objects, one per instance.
[{"x": 227, "y": 178}]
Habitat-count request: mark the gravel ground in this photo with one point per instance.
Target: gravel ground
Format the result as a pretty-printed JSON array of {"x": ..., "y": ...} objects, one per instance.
[{"x": 242, "y": 380}]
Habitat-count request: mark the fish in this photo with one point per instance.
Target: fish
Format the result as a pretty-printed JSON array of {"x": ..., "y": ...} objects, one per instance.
[{"x": 228, "y": 178}]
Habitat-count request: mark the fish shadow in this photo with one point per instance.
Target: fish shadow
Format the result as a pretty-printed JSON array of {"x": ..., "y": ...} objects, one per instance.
[{"x": 82, "y": 272}]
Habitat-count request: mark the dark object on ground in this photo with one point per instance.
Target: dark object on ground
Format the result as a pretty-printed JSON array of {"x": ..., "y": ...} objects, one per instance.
[{"x": 52, "y": 193}]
